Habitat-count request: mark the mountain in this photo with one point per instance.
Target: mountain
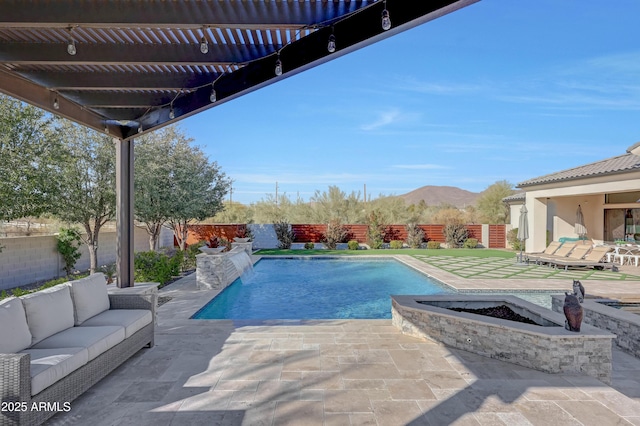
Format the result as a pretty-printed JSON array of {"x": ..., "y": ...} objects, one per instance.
[{"x": 436, "y": 195}]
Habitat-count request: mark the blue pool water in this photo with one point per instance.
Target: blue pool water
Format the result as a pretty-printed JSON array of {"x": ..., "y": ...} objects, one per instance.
[{"x": 315, "y": 288}]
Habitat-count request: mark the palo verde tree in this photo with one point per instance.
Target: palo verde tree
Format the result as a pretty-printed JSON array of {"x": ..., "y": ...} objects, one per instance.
[
  {"x": 29, "y": 158},
  {"x": 198, "y": 188},
  {"x": 87, "y": 183},
  {"x": 490, "y": 207}
]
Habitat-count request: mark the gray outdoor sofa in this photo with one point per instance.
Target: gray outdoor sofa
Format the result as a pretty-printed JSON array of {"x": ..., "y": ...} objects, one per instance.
[{"x": 57, "y": 343}]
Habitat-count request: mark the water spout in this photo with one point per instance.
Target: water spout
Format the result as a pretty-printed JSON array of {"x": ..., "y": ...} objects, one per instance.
[{"x": 243, "y": 264}]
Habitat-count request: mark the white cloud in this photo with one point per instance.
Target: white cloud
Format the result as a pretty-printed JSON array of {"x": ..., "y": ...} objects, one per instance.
[{"x": 383, "y": 119}]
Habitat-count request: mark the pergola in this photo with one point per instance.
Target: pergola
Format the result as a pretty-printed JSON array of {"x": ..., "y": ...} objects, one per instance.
[{"x": 127, "y": 67}]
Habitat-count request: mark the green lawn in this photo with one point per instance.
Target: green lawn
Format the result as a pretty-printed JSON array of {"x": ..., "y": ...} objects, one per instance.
[
  {"x": 481, "y": 253},
  {"x": 472, "y": 263}
]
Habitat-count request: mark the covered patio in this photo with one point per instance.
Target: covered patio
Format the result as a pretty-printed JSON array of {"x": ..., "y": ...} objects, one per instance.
[
  {"x": 125, "y": 68},
  {"x": 341, "y": 372}
]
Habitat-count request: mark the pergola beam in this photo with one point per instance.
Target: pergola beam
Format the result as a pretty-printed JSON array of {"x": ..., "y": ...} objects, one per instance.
[
  {"x": 34, "y": 94},
  {"x": 171, "y": 14},
  {"x": 125, "y": 54}
]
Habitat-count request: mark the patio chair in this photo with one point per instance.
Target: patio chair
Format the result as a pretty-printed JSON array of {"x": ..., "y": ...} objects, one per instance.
[
  {"x": 551, "y": 248},
  {"x": 628, "y": 253},
  {"x": 561, "y": 253},
  {"x": 594, "y": 259}
]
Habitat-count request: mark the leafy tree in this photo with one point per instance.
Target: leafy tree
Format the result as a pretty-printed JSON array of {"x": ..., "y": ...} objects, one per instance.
[
  {"x": 490, "y": 207},
  {"x": 67, "y": 242},
  {"x": 448, "y": 215},
  {"x": 153, "y": 180},
  {"x": 29, "y": 157},
  {"x": 336, "y": 204},
  {"x": 197, "y": 188},
  {"x": 233, "y": 213},
  {"x": 87, "y": 183}
]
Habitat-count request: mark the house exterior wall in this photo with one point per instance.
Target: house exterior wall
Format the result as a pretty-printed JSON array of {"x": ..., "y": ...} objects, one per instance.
[{"x": 558, "y": 203}]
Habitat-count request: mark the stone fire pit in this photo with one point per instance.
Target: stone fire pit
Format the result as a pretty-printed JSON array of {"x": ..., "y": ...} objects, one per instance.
[{"x": 544, "y": 346}]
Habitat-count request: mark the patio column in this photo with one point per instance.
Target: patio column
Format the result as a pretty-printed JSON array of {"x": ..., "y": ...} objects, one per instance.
[
  {"x": 537, "y": 208},
  {"x": 124, "y": 212}
]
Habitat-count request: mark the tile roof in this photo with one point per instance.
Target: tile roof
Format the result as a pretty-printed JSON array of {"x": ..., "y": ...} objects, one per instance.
[
  {"x": 620, "y": 164},
  {"x": 519, "y": 196}
]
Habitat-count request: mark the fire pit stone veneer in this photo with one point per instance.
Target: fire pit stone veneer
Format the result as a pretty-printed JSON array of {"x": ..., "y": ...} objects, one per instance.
[{"x": 546, "y": 347}]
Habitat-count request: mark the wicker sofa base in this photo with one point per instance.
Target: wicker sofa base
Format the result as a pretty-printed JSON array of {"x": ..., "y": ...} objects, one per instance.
[{"x": 59, "y": 395}]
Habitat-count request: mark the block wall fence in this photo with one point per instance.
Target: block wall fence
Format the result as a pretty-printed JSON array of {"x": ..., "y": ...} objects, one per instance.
[
  {"x": 26, "y": 260},
  {"x": 490, "y": 236}
]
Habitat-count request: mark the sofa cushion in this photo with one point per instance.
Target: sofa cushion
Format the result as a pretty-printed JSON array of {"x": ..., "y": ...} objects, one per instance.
[
  {"x": 131, "y": 319},
  {"x": 48, "y": 311},
  {"x": 89, "y": 297},
  {"x": 96, "y": 339},
  {"x": 50, "y": 365},
  {"x": 14, "y": 330}
]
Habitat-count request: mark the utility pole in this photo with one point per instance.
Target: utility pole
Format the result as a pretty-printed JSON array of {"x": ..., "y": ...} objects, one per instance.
[
  {"x": 365, "y": 193},
  {"x": 276, "y": 193},
  {"x": 231, "y": 193}
]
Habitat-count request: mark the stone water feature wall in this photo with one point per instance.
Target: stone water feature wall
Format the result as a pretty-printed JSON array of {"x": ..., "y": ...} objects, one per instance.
[
  {"x": 217, "y": 271},
  {"x": 548, "y": 349},
  {"x": 625, "y": 325}
]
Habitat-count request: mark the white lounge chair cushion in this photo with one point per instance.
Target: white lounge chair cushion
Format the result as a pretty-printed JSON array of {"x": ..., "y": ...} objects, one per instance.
[
  {"x": 96, "y": 339},
  {"x": 48, "y": 311},
  {"x": 89, "y": 297},
  {"x": 131, "y": 319},
  {"x": 14, "y": 330},
  {"x": 50, "y": 365}
]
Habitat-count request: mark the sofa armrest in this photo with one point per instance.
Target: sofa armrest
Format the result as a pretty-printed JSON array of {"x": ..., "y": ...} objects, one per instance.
[
  {"x": 15, "y": 377},
  {"x": 143, "y": 296}
]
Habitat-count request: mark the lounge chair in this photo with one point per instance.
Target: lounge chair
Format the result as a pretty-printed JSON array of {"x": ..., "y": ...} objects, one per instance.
[
  {"x": 561, "y": 253},
  {"x": 551, "y": 248},
  {"x": 594, "y": 259}
]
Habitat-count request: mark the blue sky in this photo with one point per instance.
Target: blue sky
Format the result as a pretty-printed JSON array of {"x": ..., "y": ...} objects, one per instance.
[{"x": 501, "y": 89}]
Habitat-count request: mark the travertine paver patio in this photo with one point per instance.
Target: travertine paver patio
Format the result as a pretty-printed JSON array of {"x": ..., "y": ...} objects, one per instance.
[{"x": 342, "y": 372}]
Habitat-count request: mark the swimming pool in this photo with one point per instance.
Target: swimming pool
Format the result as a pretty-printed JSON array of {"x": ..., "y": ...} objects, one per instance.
[
  {"x": 322, "y": 288},
  {"x": 318, "y": 288}
]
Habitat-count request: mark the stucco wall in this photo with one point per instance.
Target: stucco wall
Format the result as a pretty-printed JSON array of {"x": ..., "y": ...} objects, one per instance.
[{"x": 26, "y": 260}]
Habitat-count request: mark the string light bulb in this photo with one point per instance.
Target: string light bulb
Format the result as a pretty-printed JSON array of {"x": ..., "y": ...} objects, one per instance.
[
  {"x": 331, "y": 45},
  {"x": 204, "y": 46},
  {"x": 71, "y": 47},
  {"x": 278, "y": 69},
  {"x": 172, "y": 113},
  {"x": 56, "y": 104},
  {"x": 140, "y": 128},
  {"x": 386, "y": 21},
  {"x": 213, "y": 97}
]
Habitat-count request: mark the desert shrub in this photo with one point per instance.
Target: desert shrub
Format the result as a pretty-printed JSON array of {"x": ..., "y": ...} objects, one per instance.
[
  {"x": 470, "y": 243},
  {"x": 285, "y": 234},
  {"x": 415, "y": 236},
  {"x": 353, "y": 245},
  {"x": 189, "y": 256},
  {"x": 68, "y": 243},
  {"x": 396, "y": 244},
  {"x": 455, "y": 234},
  {"x": 434, "y": 245},
  {"x": 336, "y": 233},
  {"x": 309, "y": 246},
  {"x": 512, "y": 238},
  {"x": 152, "y": 266},
  {"x": 375, "y": 231}
]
